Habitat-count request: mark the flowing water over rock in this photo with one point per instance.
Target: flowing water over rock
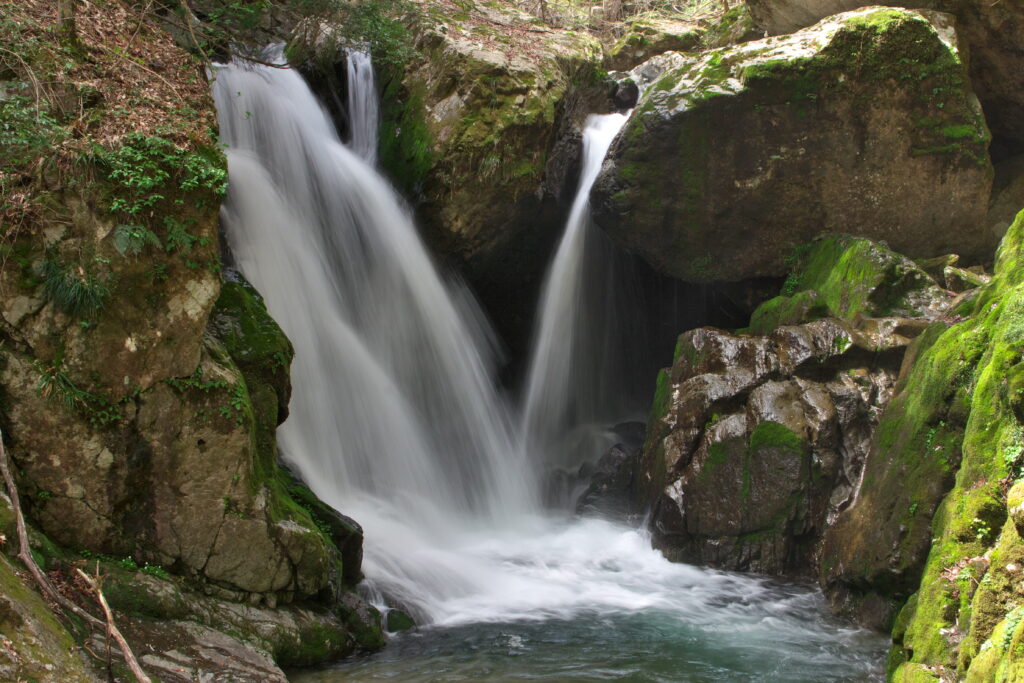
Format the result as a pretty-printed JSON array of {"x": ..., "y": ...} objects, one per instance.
[
  {"x": 396, "y": 421},
  {"x": 363, "y": 106},
  {"x": 571, "y": 390}
]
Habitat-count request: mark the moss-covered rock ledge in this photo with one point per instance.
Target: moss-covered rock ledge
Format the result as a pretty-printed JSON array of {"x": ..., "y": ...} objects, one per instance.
[
  {"x": 864, "y": 123},
  {"x": 958, "y": 424}
]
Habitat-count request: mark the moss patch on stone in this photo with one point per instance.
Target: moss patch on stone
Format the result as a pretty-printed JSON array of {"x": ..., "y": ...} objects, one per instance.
[{"x": 848, "y": 277}]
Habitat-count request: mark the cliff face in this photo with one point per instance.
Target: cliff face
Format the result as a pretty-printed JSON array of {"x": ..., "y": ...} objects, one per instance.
[
  {"x": 865, "y": 428},
  {"x": 140, "y": 390}
]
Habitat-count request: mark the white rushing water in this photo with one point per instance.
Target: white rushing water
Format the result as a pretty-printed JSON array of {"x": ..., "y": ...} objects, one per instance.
[
  {"x": 395, "y": 419},
  {"x": 569, "y": 396},
  {"x": 363, "y": 106}
]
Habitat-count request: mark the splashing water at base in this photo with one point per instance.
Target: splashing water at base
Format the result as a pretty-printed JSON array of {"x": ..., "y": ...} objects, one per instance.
[
  {"x": 589, "y": 600},
  {"x": 396, "y": 422}
]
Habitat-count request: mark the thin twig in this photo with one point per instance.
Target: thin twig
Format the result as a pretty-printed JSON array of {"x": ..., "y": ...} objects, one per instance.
[{"x": 112, "y": 630}]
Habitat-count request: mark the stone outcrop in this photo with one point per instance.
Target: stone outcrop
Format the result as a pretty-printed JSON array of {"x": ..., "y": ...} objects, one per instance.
[
  {"x": 991, "y": 30},
  {"x": 864, "y": 123},
  {"x": 756, "y": 444},
  {"x": 649, "y": 35},
  {"x": 471, "y": 126},
  {"x": 180, "y": 635}
]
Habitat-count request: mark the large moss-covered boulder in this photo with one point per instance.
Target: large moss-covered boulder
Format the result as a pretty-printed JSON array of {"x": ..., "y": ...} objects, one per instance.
[
  {"x": 991, "y": 30},
  {"x": 864, "y": 123}
]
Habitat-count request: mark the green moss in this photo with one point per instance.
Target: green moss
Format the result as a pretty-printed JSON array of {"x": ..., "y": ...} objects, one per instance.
[
  {"x": 40, "y": 644},
  {"x": 318, "y": 642},
  {"x": 770, "y": 434},
  {"x": 802, "y": 307},
  {"x": 397, "y": 620},
  {"x": 718, "y": 454},
  {"x": 405, "y": 145},
  {"x": 851, "y": 277},
  {"x": 654, "y": 448},
  {"x": 979, "y": 355}
]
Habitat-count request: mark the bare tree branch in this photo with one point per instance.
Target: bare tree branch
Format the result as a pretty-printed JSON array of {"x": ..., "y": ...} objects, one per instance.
[{"x": 113, "y": 631}]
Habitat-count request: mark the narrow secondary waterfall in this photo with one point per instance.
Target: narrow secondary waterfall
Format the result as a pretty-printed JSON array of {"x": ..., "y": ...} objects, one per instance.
[
  {"x": 363, "y": 107},
  {"x": 569, "y": 388},
  {"x": 395, "y": 421}
]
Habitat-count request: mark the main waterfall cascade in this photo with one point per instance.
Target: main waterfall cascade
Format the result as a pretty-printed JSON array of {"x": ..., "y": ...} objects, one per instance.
[{"x": 396, "y": 420}]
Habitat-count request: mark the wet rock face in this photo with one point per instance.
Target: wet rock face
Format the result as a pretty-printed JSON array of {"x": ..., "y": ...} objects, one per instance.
[
  {"x": 991, "y": 30},
  {"x": 864, "y": 123},
  {"x": 610, "y": 492},
  {"x": 756, "y": 445},
  {"x": 760, "y": 441}
]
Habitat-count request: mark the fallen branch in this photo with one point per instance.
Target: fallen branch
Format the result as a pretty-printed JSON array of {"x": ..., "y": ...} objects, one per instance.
[{"x": 112, "y": 630}]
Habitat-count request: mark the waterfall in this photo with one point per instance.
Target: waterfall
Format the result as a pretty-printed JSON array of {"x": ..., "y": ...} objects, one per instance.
[
  {"x": 363, "y": 108},
  {"x": 570, "y": 390},
  {"x": 395, "y": 420},
  {"x": 394, "y": 415}
]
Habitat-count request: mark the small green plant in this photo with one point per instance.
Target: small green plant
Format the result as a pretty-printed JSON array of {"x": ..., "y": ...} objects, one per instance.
[
  {"x": 156, "y": 570},
  {"x": 179, "y": 239},
  {"x": 73, "y": 290},
  {"x": 130, "y": 240},
  {"x": 840, "y": 344},
  {"x": 982, "y": 531},
  {"x": 196, "y": 381},
  {"x": 145, "y": 167},
  {"x": 54, "y": 385},
  {"x": 231, "y": 509}
]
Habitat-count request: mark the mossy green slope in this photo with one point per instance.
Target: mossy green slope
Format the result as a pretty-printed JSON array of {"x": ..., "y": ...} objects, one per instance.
[
  {"x": 956, "y": 422},
  {"x": 34, "y": 646}
]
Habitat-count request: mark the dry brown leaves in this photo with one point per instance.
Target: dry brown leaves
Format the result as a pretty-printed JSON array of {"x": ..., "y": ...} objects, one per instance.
[
  {"x": 521, "y": 34},
  {"x": 130, "y": 78}
]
